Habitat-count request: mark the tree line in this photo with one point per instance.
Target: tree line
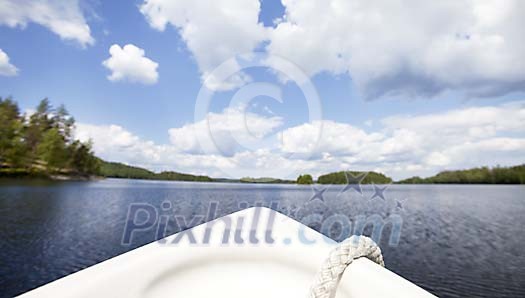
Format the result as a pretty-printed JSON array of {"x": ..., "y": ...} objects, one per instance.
[
  {"x": 267, "y": 180},
  {"x": 119, "y": 170},
  {"x": 482, "y": 175},
  {"x": 42, "y": 142}
]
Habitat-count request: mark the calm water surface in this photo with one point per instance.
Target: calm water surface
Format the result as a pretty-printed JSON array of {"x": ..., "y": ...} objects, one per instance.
[{"x": 456, "y": 241}]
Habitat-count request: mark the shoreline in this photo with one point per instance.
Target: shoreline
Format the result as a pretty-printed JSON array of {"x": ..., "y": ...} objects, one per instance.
[
  {"x": 83, "y": 178},
  {"x": 31, "y": 174}
]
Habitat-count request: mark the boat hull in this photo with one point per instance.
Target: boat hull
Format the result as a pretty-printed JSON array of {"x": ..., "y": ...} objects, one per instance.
[{"x": 266, "y": 255}]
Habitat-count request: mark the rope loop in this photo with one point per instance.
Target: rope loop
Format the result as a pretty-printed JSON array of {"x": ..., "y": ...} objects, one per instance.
[{"x": 327, "y": 279}]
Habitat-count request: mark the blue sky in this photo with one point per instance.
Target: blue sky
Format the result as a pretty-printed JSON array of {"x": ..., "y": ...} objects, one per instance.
[{"x": 366, "y": 71}]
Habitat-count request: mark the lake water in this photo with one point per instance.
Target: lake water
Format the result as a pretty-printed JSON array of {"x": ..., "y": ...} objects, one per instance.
[{"x": 455, "y": 240}]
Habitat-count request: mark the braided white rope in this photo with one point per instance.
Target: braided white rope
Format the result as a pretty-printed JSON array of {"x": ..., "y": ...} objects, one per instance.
[{"x": 327, "y": 279}]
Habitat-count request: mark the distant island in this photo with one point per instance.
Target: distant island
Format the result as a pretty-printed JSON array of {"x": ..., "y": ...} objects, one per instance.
[
  {"x": 41, "y": 145},
  {"x": 341, "y": 178}
]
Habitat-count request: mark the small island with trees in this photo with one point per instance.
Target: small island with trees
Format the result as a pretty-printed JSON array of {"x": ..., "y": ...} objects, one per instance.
[{"x": 305, "y": 179}]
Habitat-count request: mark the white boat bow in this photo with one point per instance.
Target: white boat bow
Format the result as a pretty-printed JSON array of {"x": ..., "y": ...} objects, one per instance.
[{"x": 285, "y": 267}]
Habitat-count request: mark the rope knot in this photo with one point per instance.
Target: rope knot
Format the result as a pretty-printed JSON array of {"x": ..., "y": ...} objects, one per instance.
[{"x": 327, "y": 279}]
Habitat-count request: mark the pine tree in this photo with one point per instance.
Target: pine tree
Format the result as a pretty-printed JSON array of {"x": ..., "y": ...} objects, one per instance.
[
  {"x": 39, "y": 123},
  {"x": 12, "y": 147},
  {"x": 52, "y": 150}
]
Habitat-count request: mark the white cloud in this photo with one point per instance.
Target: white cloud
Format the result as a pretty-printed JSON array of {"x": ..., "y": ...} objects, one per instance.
[
  {"x": 129, "y": 64},
  {"x": 404, "y": 146},
  {"x": 64, "y": 18},
  {"x": 336, "y": 138},
  {"x": 225, "y": 132},
  {"x": 395, "y": 49},
  {"x": 461, "y": 125},
  {"x": 116, "y": 143},
  {"x": 408, "y": 145},
  {"x": 437, "y": 159},
  {"x": 6, "y": 68},
  {"x": 214, "y": 31},
  {"x": 233, "y": 125},
  {"x": 411, "y": 49}
]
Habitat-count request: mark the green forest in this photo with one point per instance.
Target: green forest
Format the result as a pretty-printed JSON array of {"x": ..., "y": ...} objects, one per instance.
[
  {"x": 42, "y": 144},
  {"x": 119, "y": 170},
  {"x": 483, "y": 175}
]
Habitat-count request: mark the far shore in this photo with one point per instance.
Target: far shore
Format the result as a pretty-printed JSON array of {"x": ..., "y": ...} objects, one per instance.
[
  {"x": 83, "y": 178},
  {"x": 479, "y": 176}
]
